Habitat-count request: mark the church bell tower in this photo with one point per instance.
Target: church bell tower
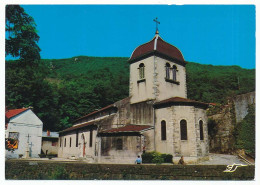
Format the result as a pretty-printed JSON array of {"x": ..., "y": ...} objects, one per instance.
[{"x": 157, "y": 71}]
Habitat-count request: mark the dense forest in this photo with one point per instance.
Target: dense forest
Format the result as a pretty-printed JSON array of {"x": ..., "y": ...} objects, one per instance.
[{"x": 65, "y": 89}]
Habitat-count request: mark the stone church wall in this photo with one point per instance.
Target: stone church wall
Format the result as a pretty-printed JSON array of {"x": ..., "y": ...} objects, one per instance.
[
  {"x": 144, "y": 90},
  {"x": 142, "y": 113},
  {"x": 193, "y": 147},
  {"x": 167, "y": 89},
  {"x": 110, "y": 153},
  {"x": 164, "y": 146}
]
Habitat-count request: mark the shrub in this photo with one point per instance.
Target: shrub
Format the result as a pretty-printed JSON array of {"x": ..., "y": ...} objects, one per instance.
[
  {"x": 147, "y": 157},
  {"x": 168, "y": 158},
  {"x": 156, "y": 157},
  {"x": 59, "y": 173}
]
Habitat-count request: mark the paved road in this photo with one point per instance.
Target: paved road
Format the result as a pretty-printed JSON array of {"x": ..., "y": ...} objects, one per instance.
[
  {"x": 222, "y": 159},
  {"x": 214, "y": 159}
]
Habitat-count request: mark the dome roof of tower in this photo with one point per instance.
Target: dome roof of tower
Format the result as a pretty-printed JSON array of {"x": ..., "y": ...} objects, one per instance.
[{"x": 157, "y": 46}]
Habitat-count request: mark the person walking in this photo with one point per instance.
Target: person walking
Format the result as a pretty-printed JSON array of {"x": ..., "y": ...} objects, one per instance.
[{"x": 138, "y": 160}]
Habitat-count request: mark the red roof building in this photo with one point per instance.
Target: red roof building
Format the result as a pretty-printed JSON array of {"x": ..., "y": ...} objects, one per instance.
[{"x": 11, "y": 113}]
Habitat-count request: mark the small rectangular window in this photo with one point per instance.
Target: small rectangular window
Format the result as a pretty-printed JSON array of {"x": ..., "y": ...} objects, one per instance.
[
  {"x": 201, "y": 130},
  {"x": 90, "y": 138},
  {"x": 60, "y": 142},
  {"x": 70, "y": 141},
  {"x": 77, "y": 138}
]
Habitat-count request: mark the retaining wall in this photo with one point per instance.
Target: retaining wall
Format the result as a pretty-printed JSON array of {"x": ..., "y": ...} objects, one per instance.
[{"x": 36, "y": 170}]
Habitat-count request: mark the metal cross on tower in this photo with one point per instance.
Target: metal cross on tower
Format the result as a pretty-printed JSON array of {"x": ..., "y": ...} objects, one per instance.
[{"x": 157, "y": 22}]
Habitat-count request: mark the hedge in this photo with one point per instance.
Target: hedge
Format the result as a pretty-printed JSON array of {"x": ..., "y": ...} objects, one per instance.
[{"x": 156, "y": 157}]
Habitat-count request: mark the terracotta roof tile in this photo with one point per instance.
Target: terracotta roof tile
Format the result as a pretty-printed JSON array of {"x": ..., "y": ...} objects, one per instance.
[
  {"x": 97, "y": 111},
  {"x": 78, "y": 126},
  {"x": 127, "y": 128},
  {"x": 11, "y": 113},
  {"x": 179, "y": 100},
  {"x": 158, "y": 45}
]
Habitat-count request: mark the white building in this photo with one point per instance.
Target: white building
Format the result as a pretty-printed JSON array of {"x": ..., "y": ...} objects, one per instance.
[
  {"x": 50, "y": 142},
  {"x": 23, "y": 133}
]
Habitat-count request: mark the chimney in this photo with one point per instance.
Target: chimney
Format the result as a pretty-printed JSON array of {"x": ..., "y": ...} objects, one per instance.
[{"x": 48, "y": 133}]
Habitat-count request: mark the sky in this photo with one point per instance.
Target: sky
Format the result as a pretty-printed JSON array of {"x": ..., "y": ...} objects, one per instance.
[{"x": 206, "y": 34}]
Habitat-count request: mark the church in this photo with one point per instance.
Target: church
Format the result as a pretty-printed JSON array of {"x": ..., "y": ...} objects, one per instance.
[{"x": 157, "y": 116}]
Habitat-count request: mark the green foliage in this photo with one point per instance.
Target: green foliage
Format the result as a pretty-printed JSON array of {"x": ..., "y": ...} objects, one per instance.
[
  {"x": 156, "y": 157},
  {"x": 59, "y": 173},
  {"x": 67, "y": 89},
  {"x": 167, "y": 158},
  {"x": 21, "y": 33},
  {"x": 245, "y": 132},
  {"x": 210, "y": 83}
]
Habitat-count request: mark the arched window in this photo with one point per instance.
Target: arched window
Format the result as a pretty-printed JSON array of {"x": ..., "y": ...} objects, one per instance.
[
  {"x": 183, "y": 126},
  {"x": 141, "y": 71},
  {"x": 119, "y": 144},
  {"x": 163, "y": 130},
  {"x": 201, "y": 130},
  {"x": 174, "y": 72},
  {"x": 167, "y": 66}
]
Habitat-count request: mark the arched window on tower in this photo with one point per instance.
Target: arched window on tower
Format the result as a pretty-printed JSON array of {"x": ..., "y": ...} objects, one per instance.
[
  {"x": 167, "y": 69},
  {"x": 141, "y": 71},
  {"x": 183, "y": 127},
  {"x": 201, "y": 130},
  {"x": 163, "y": 130},
  {"x": 174, "y": 73}
]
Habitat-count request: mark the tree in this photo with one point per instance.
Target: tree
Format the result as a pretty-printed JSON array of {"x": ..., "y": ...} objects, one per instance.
[
  {"x": 245, "y": 132},
  {"x": 21, "y": 35},
  {"x": 25, "y": 78}
]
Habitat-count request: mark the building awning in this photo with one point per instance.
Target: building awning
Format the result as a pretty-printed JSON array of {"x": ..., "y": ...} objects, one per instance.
[{"x": 127, "y": 129}]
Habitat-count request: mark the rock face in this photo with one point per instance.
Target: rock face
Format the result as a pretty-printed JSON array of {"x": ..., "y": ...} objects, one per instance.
[
  {"x": 241, "y": 103},
  {"x": 224, "y": 121}
]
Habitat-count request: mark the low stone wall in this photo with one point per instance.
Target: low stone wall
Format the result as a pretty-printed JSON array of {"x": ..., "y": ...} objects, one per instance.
[{"x": 36, "y": 170}]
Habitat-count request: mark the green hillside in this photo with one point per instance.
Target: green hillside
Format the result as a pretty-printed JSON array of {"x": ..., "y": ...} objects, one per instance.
[{"x": 76, "y": 86}]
